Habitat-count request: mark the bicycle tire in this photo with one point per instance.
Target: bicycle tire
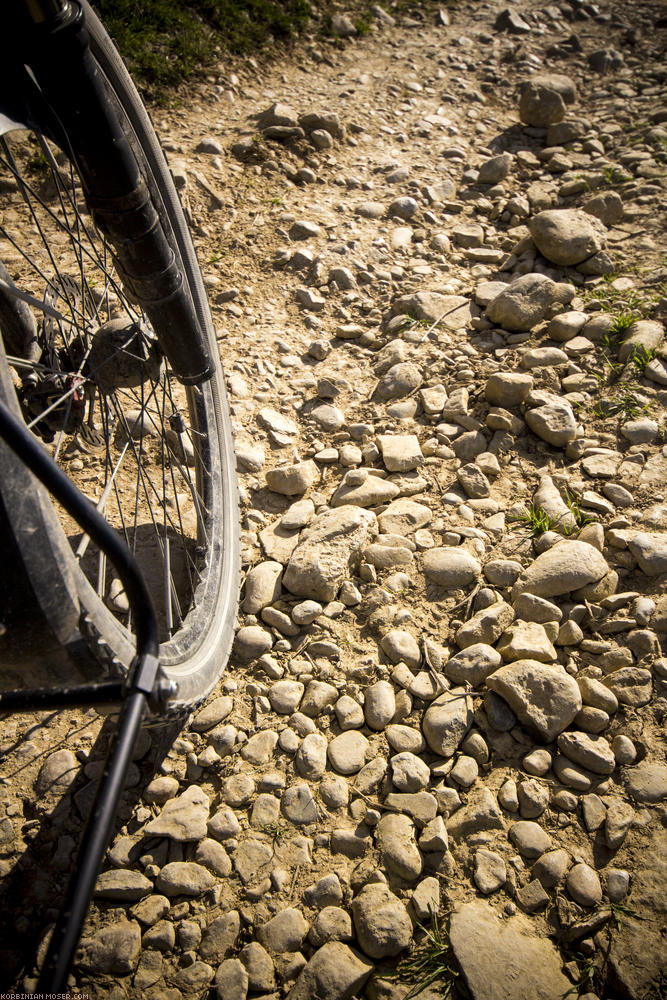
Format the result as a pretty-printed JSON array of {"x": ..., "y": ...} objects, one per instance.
[{"x": 193, "y": 653}]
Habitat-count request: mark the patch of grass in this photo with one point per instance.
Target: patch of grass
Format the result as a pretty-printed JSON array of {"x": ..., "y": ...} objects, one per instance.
[
  {"x": 587, "y": 971},
  {"x": 618, "y": 911},
  {"x": 429, "y": 962},
  {"x": 623, "y": 404},
  {"x": 166, "y": 41},
  {"x": 622, "y": 323},
  {"x": 276, "y": 832},
  {"x": 614, "y": 175},
  {"x": 641, "y": 357},
  {"x": 536, "y": 520},
  {"x": 581, "y": 518}
]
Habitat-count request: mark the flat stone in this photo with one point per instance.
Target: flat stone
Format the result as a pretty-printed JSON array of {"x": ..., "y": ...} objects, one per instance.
[
  {"x": 490, "y": 871},
  {"x": 404, "y": 516},
  {"x": 369, "y": 492},
  {"x": 454, "y": 312},
  {"x": 220, "y": 937},
  {"x": 631, "y": 685},
  {"x": 123, "y": 885},
  {"x": 299, "y": 806},
  {"x": 184, "y": 818},
  {"x": 647, "y": 781},
  {"x": 543, "y": 697},
  {"x": 498, "y": 958},
  {"x": 113, "y": 950},
  {"x": 251, "y": 858},
  {"x": 531, "y": 897},
  {"x": 400, "y": 452},
  {"x": 231, "y": 980}
]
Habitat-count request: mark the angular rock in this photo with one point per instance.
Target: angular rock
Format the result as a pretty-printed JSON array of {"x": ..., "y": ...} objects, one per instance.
[
  {"x": 326, "y": 551},
  {"x": 113, "y": 950},
  {"x": 399, "y": 852},
  {"x": 545, "y": 698},
  {"x": 554, "y": 422},
  {"x": 590, "y": 752},
  {"x": 184, "y": 818},
  {"x": 447, "y": 720},
  {"x": 335, "y": 972},
  {"x": 540, "y": 106}
]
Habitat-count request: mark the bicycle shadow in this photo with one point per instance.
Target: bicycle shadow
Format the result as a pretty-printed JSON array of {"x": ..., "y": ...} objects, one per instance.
[{"x": 32, "y": 890}]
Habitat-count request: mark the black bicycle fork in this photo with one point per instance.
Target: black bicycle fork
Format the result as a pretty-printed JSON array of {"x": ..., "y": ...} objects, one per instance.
[{"x": 144, "y": 687}]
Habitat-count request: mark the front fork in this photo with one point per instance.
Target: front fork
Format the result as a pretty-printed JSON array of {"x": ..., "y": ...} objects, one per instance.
[{"x": 76, "y": 98}]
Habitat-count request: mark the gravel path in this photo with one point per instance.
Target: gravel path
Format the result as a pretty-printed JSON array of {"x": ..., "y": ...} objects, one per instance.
[{"x": 436, "y": 259}]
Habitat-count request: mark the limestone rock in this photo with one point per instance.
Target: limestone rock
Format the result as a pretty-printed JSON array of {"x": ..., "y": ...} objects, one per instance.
[
  {"x": 183, "y": 818},
  {"x": 113, "y": 950},
  {"x": 326, "y": 550},
  {"x": 447, "y": 720},
  {"x": 381, "y": 922},
  {"x": 564, "y": 567},
  {"x": 567, "y": 236},
  {"x": 499, "y": 958},
  {"x": 451, "y": 567},
  {"x": 335, "y": 972},
  {"x": 399, "y": 852},
  {"x": 540, "y": 106},
  {"x": 292, "y": 480},
  {"x": 543, "y": 696},
  {"x": 526, "y": 301}
]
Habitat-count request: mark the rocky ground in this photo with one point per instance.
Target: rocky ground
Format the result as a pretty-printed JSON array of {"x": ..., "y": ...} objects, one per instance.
[{"x": 436, "y": 259}]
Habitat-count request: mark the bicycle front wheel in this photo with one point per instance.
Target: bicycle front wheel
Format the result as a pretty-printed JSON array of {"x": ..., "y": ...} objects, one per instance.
[{"x": 93, "y": 381}]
